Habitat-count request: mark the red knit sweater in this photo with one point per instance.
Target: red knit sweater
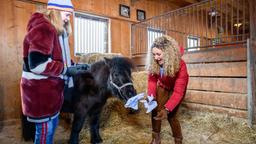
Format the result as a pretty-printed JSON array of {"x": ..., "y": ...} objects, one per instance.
[{"x": 176, "y": 84}]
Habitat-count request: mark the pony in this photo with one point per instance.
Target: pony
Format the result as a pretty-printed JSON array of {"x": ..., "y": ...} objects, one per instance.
[{"x": 105, "y": 78}]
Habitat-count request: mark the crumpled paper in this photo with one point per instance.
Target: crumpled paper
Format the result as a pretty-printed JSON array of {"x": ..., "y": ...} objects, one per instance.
[{"x": 149, "y": 104}]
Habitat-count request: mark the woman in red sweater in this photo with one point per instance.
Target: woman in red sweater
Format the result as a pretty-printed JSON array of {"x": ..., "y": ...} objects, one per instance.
[{"x": 167, "y": 82}]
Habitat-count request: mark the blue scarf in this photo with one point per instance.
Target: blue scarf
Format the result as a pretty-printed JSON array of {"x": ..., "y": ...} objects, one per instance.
[
  {"x": 161, "y": 71},
  {"x": 63, "y": 39}
]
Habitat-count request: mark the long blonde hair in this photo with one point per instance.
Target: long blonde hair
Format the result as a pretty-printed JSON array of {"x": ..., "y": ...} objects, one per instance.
[
  {"x": 171, "y": 56},
  {"x": 54, "y": 16}
]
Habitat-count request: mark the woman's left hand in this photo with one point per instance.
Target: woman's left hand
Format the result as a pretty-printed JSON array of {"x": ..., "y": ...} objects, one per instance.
[{"x": 161, "y": 115}]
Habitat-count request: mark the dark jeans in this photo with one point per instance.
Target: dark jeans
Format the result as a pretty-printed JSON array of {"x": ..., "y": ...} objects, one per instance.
[{"x": 162, "y": 97}]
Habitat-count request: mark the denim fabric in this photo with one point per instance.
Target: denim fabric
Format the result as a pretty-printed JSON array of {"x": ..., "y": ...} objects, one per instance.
[
  {"x": 45, "y": 131},
  {"x": 161, "y": 71}
]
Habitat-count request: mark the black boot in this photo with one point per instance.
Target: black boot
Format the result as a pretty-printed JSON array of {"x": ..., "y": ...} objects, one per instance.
[
  {"x": 178, "y": 140},
  {"x": 156, "y": 139}
]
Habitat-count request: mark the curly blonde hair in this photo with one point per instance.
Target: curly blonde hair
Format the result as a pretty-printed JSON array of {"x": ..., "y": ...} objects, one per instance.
[{"x": 171, "y": 56}]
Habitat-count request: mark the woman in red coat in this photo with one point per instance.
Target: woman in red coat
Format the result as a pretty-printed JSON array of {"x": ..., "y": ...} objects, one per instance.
[
  {"x": 47, "y": 66},
  {"x": 167, "y": 82}
]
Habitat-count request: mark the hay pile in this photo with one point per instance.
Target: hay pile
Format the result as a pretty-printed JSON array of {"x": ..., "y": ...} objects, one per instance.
[
  {"x": 140, "y": 81},
  {"x": 212, "y": 128},
  {"x": 118, "y": 126},
  {"x": 198, "y": 128},
  {"x": 93, "y": 57}
]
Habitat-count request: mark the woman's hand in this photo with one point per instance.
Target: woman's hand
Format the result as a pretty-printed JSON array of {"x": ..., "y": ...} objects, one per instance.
[
  {"x": 74, "y": 70},
  {"x": 162, "y": 114}
]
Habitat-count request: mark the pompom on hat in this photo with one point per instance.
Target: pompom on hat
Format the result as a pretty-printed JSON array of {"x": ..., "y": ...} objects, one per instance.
[{"x": 63, "y": 5}]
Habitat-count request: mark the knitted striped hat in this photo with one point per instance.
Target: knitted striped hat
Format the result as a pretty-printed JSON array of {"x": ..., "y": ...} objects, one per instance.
[{"x": 64, "y": 5}]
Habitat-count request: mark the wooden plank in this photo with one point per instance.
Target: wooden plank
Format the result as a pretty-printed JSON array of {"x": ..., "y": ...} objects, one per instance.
[
  {"x": 234, "y": 85},
  {"x": 15, "y": 15},
  {"x": 140, "y": 68},
  {"x": 229, "y": 100},
  {"x": 216, "y": 55},
  {"x": 139, "y": 60},
  {"x": 120, "y": 34},
  {"x": 233, "y": 69},
  {"x": 251, "y": 50},
  {"x": 125, "y": 37},
  {"x": 215, "y": 109},
  {"x": 252, "y": 9},
  {"x": 10, "y": 122},
  {"x": 251, "y": 83},
  {"x": 115, "y": 36}
]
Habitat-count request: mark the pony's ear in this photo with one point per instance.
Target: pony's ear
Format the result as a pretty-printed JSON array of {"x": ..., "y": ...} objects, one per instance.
[{"x": 107, "y": 61}]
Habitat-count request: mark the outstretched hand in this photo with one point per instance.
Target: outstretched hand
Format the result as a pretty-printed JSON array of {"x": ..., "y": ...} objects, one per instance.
[
  {"x": 83, "y": 67},
  {"x": 76, "y": 69},
  {"x": 162, "y": 114}
]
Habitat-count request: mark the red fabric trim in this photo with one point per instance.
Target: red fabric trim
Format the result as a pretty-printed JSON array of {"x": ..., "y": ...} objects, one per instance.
[
  {"x": 46, "y": 130},
  {"x": 42, "y": 134}
]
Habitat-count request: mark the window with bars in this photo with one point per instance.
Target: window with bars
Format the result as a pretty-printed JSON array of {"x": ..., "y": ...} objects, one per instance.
[
  {"x": 90, "y": 34},
  {"x": 152, "y": 35},
  {"x": 193, "y": 43}
]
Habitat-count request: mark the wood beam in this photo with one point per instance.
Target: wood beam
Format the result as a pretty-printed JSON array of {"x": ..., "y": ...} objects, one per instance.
[
  {"x": 251, "y": 46},
  {"x": 228, "y": 100},
  {"x": 217, "y": 55},
  {"x": 227, "y": 69},
  {"x": 191, "y": 1},
  {"x": 228, "y": 85}
]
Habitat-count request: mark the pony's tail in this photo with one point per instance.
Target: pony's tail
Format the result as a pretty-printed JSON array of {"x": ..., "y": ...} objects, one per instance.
[{"x": 28, "y": 129}]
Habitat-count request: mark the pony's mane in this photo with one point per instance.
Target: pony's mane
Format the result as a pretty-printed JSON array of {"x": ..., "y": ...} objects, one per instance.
[{"x": 123, "y": 63}]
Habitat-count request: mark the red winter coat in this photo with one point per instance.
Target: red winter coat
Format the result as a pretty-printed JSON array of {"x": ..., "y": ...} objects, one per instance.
[
  {"x": 41, "y": 83},
  {"x": 176, "y": 84}
]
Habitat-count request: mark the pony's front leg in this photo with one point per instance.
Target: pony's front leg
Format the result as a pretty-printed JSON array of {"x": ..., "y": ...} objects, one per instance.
[
  {"x": 94, "y": 128},
  {"x": 76, "y": 128}
]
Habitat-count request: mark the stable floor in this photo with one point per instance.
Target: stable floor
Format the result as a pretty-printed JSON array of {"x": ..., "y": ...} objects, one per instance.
[{"x": 122, "y": 128}]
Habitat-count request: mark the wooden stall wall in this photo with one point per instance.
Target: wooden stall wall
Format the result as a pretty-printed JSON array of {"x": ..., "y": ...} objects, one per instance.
[
  {"x": 212, "y": 23},
  {"x": 15, "y": 15},
  {"x": 218, "y": 80},
  {"x": 178, "y": 26},
  {"x": 120, "y": 26},
  {"x": 251, "y": 65}
]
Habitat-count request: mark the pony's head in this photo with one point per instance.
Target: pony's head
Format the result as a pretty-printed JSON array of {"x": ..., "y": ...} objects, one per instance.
[{"x": 120, "y": 79}]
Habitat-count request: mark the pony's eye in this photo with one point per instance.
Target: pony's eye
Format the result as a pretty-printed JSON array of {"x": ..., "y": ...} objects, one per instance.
[{"x": 115, "y": 75}]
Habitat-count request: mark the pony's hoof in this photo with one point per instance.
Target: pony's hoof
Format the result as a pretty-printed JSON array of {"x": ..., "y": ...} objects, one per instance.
[
  {"x": 97, "y": 141},
  {"x": 73, "y": 142}
]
